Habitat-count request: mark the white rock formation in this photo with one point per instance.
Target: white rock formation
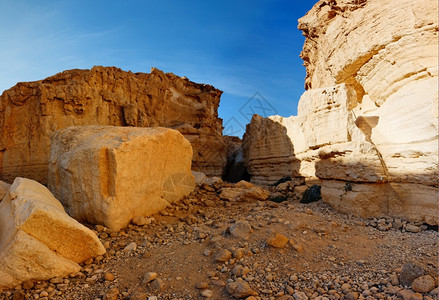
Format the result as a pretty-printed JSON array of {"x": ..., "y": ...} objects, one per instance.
[
  {"x": 38, "y": 240},
  {"x": 109, "y": 175},
  {"x": 367, "y": 126}
]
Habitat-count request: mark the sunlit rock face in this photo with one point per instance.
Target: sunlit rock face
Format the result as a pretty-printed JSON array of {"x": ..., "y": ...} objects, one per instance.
[
  {"x": 38, "y": 240},
  {"x": 369, "y": 116},
  {"x": 109, "y": 175},
  {"x": 31, "y": 111}
]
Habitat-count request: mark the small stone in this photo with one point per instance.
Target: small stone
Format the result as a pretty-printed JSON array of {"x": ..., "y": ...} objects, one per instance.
[
  {"x": 130, "y": 247},
  {"x": 98, "y": 258},
  {"x": 88, "y": 261},
  {"x": 158, "y": 284},
  {"x": 28, "y": 284},
  {"x": 44, "y": 294},
  {"x": 351, "y": 296},
  {"x": 141, "y": 221},
  {"x": 300, "y": 296},
  {"x": 289, "y": 290},
  {"x": 394, "y": 280},
  {"x": 19, "y": 295},
  {"x": 405, "y": 294},
  {"x": 392, "y": 290},
  {"x": 217, "y": 282},
  {"x": 277, "y": 240},
  {"x": 411, "y": 271},
  {"x": 423, "y": 284},
  {"x": 207, "y": 294},
  {"x": 238, "y": 253},
  {"x": 412, "y": 228},
  {"x": 397, "y": 224},
  {"x": 240, "y": 229},
  {"x": 56, "y": 280},
  {"x": 298, "y": 247},
  {"x": 112, "y": 294},
  {"x": 109, "y": 277},
  {"x": 293, "y": 278},
  {"x": 382, "y": 227},
  {"x": 240, "y": 289},
  {"x": 223, "y": 255},
  {"x": 202, "y": 285},
  {"x": 434, "y": 293},
  {"x": 416, "y": 296},
  {"x": 100, "y": 228},
  {"x": 240, "y": 271},
  {"x": 150, "y": 276},
  {"x": 138, "y": 296},
  {"x": 423, "y": 227}
]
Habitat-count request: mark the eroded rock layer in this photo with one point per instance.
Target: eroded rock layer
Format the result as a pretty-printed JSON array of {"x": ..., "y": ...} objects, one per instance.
[
  {"x": 31, "y": 111},
  {"x": 367, "y": 126}
]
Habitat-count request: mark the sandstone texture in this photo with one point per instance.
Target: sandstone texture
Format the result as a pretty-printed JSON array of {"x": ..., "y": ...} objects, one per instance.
[
  {"x": 31, "y": 111},
  {"x": 109, "y": 175},
  {"x": 367, "y": 126},
  {"x": 4, "y": 187},
  {"x": 38, "y": 240}
]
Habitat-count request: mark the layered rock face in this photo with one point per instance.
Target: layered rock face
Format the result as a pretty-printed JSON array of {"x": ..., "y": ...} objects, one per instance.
[
  {"x": 30, "y": 112},
  {"x": 109, "y": 175},
  {"x": 38, "y": 240},
  {"x": 268, "y": 149},
  {"x": 367, "y": 126}
]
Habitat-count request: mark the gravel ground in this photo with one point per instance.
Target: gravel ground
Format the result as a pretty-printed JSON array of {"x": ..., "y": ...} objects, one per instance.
[{"x": 205, "y": 247}]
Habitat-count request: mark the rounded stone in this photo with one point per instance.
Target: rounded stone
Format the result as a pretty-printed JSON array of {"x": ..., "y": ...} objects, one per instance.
[{"x": 423, "y": 284}]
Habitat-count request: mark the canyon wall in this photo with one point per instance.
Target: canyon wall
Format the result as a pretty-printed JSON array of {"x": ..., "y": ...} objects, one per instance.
[
  {"x": 367, "y": 126},
  {"x": 31, "y": 111}
]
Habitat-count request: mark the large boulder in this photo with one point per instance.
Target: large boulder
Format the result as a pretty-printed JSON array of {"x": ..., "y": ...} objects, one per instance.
[
  {"x": 108, "y": 175},
  {"x": 367, "y": 126},
  {"x": 38, "y": 240},
  {"x": 31, "y": 111}
]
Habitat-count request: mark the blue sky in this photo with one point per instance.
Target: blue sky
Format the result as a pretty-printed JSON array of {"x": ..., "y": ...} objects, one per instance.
[{"x": 248, "y": 49}]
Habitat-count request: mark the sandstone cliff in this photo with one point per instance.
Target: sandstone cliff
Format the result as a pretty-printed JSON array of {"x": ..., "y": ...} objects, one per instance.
[
  {"x": 30, "y": 112},
  {"x": 367, "y": 126}
]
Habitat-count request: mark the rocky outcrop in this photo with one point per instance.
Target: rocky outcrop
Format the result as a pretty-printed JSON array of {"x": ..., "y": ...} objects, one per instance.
[
  {"x": 30, "y": 112},
  {"x": 109, "y": 175},
  {"x": 367, "y": 126},
  {"x": 38, "y": 240}
]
